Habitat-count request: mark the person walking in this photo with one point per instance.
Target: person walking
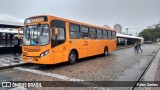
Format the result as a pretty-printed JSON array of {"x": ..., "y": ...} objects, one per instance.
[
  {"x": 17, "y": 50},
  {"x": 16, "y": 47},
  {"x": 136, "y": 47},
  {"x": 139, "y": 46}
]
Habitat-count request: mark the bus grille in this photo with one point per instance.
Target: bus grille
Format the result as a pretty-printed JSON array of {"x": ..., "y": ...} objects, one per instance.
[{"x": 31, "y": 49}]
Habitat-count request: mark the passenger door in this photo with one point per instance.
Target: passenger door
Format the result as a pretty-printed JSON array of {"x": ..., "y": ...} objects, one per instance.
[
  {"x": 58, "y": 51},
  {"x": 58, "y": 40}
]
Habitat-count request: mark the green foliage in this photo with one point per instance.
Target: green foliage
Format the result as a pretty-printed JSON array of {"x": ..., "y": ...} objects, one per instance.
[{"x": 152, "y": 33}]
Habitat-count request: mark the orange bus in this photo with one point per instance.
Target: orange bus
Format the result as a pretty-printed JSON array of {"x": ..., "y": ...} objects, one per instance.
[{"x": 50, "y": 40}]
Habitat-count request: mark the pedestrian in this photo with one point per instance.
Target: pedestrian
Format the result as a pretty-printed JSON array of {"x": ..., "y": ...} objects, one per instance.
[
  {"x": 139, "y": 46},
  {"x": 16, "y": 47},
  {"x": 136, "y": 47}
]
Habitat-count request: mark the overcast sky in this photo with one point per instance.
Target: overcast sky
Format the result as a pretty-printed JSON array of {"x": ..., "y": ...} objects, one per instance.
[{"x": 129, "y": 13}]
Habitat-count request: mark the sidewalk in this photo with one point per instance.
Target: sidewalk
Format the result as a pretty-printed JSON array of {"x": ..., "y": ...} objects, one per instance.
[
  {"x": 8, "y": 60},
  {"x": 153, "y": 73}
]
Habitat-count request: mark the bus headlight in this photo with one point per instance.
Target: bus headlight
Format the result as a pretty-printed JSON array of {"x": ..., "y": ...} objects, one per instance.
[{"x": 44, "y": 53}]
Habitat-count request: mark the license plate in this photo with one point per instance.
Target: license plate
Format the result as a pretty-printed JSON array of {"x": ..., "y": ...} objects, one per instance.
[{"x": 29, "y": 58}]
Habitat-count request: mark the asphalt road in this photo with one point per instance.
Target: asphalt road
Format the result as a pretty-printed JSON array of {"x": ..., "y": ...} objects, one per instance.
[{"x": 120, "y": 65}]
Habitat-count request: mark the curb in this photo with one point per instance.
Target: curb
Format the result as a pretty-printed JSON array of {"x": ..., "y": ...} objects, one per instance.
[
  {"x": 11, "y": 66},
  {"x": 146, "y": 69},
  {"x": 153, "y": 58}
]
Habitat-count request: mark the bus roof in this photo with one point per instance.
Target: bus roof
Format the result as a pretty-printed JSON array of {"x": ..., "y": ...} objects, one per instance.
[{"x": 74, "y": 22}]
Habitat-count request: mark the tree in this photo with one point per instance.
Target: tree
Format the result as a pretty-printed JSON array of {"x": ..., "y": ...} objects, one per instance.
[{"x": 151, "y": 33}]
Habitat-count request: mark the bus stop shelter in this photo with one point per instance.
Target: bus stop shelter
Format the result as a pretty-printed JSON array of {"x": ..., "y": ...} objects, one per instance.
[
  {"x": 127, "y": 39},
  {"x": 8, "y": 29}
]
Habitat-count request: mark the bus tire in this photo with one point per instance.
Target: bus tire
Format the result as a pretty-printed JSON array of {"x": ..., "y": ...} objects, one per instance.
[
  {"x": 72, "y": 58},
  {"x": 105, "y": 51}
]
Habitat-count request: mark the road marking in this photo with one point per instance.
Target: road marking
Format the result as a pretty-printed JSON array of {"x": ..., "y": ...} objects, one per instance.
[
  {"x": 48, "y": 74},
  {"x": 18, "y": 88},
  {"x": 55, "y": 76}
]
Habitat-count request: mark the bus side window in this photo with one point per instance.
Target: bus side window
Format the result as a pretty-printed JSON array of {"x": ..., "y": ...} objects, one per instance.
[
  {"x": 99, "y": 33},
  {"x": 85, "y": 32},
  {"x": 74, "y": 31},
  {"x": 109, "y": 35},
  {"x": 105, "y": 36},
  {"x": 92, "y": 33},
  {"x": 113, "y": 34}
]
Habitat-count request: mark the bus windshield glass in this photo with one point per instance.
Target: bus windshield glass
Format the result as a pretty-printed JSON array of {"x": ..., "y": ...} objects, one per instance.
[{"x": 36, "y": 35}]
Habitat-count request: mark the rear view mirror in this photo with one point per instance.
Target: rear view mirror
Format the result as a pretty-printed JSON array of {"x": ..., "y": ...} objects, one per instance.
[{"x": 56, "y": 31}]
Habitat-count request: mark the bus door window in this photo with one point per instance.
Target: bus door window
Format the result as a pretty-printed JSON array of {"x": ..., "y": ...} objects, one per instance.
[
  {"x": 59, "y": 38},
  {"x": 61, "y": 35}
]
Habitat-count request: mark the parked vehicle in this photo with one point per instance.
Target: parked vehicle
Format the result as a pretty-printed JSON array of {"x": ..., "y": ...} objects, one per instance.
[{"x": 147, "y": 42}]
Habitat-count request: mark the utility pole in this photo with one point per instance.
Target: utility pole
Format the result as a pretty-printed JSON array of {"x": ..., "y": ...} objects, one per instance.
[
  {"x": 127, "y": 30},
  {"x": 133, "y": 29}
]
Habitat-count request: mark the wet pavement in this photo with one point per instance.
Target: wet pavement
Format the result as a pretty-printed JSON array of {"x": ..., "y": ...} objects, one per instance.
[
  {"x": 120, "y": 65},
  {"x": 152, "y": 74},
  {"x": 9, "y": 60}
]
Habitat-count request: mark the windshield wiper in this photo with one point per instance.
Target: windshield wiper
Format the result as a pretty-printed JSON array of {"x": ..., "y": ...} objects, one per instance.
[{"x": 36, "y": 29}]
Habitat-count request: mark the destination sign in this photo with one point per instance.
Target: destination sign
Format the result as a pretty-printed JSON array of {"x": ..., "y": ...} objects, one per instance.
[{"x": 36, "y": 19}]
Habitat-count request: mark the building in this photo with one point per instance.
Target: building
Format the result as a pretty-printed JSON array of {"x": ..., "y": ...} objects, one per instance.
[{"x": 118, "y": 28}]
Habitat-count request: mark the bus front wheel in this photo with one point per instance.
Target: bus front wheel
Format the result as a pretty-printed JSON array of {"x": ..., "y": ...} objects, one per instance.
[
  {"x": 72, "y": 57},
  {"x": 105, "y": 51}
]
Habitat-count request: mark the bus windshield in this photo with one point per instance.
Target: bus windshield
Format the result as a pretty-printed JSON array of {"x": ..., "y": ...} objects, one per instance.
[{"x": 36, "y": 35}]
